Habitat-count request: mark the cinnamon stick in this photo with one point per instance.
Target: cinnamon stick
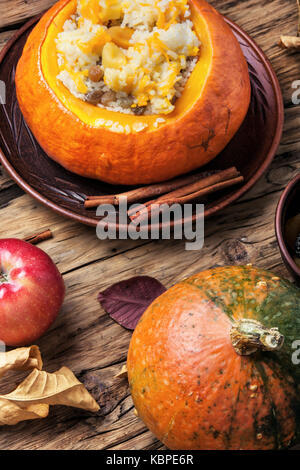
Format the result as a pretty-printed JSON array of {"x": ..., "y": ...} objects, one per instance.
[
  {"x": 175, "y": 188},
  {"x": 210, "y": 189},
  {"x": 158, "y": 189},
  {"x": 39, "y": 237},
  {"x": 147, "y": 208},
  {"x": 210, "y": 180},
  {"x": 95, "y": 201},
  {"x": 145, "y": 192}
]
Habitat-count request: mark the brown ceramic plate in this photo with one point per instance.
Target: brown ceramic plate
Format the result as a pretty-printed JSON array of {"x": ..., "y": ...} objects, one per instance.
[
  {"x": 288, "y": 206},
  {"x": 251, "y": 150}
]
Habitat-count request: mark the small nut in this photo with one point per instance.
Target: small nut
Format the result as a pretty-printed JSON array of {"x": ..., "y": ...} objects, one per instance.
[{"x": 95, "y": 73}]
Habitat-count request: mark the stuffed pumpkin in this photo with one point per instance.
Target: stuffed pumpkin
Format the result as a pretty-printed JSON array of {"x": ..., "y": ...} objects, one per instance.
[{"x": 132, "y": 91}]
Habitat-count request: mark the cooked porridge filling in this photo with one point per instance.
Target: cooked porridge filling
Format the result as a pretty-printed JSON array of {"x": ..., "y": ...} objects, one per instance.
[{"x": 130, "y": 56}]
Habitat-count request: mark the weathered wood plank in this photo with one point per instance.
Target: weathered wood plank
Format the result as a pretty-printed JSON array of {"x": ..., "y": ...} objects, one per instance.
[
  {"x": 25, "y": 216},
  {"x": 5, "y": 37},
  {"x": 16, "y": 11},
  {"x": 5, "y": 180}
]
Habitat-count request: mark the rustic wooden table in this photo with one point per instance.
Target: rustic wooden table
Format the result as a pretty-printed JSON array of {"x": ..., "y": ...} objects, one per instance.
[{"x": 84, "y": 338}]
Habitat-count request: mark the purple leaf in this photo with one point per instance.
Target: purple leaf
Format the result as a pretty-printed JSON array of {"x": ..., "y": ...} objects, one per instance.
[{"x": 126, "y": 301}]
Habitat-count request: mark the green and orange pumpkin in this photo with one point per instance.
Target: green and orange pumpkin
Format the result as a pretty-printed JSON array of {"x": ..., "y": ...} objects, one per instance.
[{"x": 213, "y": 362}]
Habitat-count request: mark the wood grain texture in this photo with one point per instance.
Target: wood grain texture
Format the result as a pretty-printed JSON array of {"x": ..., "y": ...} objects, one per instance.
[
  {"x": 5, "y": 37},
  {"x": 16, "y": 11},
  {"x": 84, "y": 338}
]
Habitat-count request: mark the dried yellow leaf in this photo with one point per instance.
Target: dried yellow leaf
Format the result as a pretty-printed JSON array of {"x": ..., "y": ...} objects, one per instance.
[
  {"x": 11, "y": 413},
  {"x": 20, "y": 359},
  {"x": 31, "y": 399},
  {"x": 123, "y": 372},
  {"x": 290, "y": 42}
]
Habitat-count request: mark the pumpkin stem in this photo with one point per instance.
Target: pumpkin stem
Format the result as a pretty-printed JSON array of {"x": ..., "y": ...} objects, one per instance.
[{"x": 249, "y": 336}]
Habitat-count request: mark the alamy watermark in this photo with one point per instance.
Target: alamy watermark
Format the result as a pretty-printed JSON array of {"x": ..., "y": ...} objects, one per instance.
[
  {"x": 296, "y": 93},
  {"x": 188, "y": 223},
  {"x": 2, "y": 356},
  {"x": 2, "y": 92},
  {"x": 296, "y": 353}
]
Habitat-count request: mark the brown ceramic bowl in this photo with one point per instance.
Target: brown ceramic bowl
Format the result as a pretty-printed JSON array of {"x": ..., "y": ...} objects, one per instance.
[{"x": 288, "y": 207}]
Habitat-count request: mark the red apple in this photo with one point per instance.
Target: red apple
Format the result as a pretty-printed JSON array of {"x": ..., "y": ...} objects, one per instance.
[{"x": 31, "y": 292}]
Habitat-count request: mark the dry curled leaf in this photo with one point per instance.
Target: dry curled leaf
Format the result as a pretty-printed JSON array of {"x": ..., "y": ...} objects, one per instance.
[
  {"x": 123, "y": 372},
  {"x": 290, "y": 42},
  {"x": 31, "y": 399},
  {"x": 126, "y": 301},
  {"x": 11, "y": 413},
  {"x": 20, "y": 359}
]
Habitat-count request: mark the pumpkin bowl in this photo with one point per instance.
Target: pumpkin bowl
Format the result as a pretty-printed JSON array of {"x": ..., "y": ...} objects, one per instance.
[
  {"x": 92, "y": 142},
  {"x": 288, "y": 207},
  {"x": 213, "y": 362}
]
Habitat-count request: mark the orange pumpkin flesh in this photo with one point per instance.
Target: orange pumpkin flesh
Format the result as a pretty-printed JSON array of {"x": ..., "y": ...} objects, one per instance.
[
  {"x": 190, "y": 386},
  {"x": 206, "y": 116}
]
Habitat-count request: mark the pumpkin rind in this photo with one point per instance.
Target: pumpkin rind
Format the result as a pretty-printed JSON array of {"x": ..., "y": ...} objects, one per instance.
[
  {"x": 189, "y": 385},
  {"x": 205, "y": 118}
]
